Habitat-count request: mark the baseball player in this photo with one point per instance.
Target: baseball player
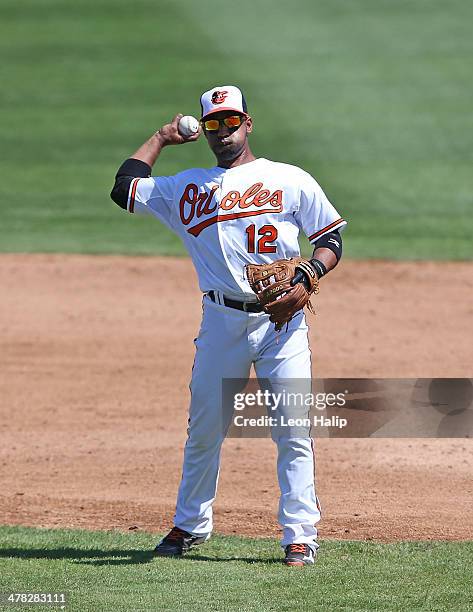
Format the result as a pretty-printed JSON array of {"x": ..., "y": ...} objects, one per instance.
[{"x": 240, "y": 221}]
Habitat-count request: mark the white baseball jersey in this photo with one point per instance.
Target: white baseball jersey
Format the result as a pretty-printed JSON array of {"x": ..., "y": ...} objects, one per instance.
[{"x": 228, "y": 218}]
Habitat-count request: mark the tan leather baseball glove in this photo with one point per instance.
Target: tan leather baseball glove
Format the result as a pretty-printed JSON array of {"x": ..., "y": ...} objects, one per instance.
[{"x": 277, "y": 295}]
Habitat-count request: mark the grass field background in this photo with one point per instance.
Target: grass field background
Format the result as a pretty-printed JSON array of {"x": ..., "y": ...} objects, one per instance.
[
  {"x": 373, "y": 97},
  {"x": 115, "y": 571}
]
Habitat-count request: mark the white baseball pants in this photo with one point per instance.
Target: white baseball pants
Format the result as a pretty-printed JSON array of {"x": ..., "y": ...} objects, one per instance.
[{"x": 229, "y": 342}]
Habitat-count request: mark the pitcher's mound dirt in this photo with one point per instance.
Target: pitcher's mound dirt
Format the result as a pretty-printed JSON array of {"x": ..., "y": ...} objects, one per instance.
[{"x": 96, "y": 355}]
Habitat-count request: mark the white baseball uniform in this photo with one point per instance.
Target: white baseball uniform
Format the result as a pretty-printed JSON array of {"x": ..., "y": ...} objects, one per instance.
[{"x": 227, "y": 218}]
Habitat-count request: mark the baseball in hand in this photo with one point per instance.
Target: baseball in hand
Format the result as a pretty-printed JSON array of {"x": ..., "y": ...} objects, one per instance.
[{"x": 188, "y": 126}]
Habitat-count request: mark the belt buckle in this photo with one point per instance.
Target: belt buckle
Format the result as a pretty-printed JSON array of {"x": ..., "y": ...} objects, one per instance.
[{"x": 245, "y": 309}]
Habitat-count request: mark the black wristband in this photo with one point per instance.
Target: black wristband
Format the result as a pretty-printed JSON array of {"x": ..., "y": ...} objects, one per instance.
[{"x": 319, "y": 267}]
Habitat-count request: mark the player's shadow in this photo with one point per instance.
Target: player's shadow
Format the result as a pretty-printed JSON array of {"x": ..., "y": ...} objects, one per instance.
[
  {"x": 82, "y": 556},
  {"x": 251, "y": 560},
  {"x": 113, "y": 557}
]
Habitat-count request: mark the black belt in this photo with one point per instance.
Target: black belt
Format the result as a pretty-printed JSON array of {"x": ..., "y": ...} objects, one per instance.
[{"x": 245, "y": 306}]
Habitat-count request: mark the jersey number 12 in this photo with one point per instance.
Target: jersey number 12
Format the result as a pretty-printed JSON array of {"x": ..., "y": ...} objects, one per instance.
[{"x": 267, "y": 234}]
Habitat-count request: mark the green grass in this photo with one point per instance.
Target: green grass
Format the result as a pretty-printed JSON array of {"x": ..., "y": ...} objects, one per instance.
[
  {"x": 372, "y": 97},
  {"x": 115, "y": 571}
]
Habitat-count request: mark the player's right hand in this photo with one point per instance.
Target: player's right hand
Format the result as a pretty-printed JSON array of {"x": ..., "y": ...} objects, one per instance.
[{"x": 170, "y": 134}]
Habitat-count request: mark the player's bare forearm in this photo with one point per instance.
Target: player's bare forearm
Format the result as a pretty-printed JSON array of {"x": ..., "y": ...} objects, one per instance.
[
  {"x": 150, "y": 150},
  {"x": 167, "y": 135},
  {"x": 141, "y": 162},
  {"x": 326, "y": 256},
  {"x": 327, "y": 253}
]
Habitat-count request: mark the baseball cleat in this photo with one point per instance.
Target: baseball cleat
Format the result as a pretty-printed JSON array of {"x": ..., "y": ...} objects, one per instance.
[
  {"x": 177, "y": 542},
  {"x": 299, "y": 554}
]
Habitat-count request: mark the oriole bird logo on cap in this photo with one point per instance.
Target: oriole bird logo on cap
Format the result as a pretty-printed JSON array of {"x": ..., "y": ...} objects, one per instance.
[{"x": 219, "y": 96}]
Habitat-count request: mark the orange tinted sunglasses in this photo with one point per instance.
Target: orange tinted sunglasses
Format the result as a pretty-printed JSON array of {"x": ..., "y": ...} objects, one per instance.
[{"x": 212, "y": 125}]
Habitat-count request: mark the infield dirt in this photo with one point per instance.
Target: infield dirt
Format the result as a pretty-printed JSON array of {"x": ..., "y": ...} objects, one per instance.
[{"x": 96, "y": 356}]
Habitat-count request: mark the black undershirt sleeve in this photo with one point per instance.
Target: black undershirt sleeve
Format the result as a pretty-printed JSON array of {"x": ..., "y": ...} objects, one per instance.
[
  {"x": 332, "y": 241},
  {"x": 130, "y": 169}
]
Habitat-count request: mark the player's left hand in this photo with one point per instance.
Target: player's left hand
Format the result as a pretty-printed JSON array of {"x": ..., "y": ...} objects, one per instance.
[{"x": 276, "y": 293}]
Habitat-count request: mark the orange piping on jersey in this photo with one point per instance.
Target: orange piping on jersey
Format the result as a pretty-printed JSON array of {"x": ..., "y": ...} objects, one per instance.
[
  {"x": 320, "y": 232},
  {"x": 131, "y": 207},
  {"x": 196, "y": 229}
]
